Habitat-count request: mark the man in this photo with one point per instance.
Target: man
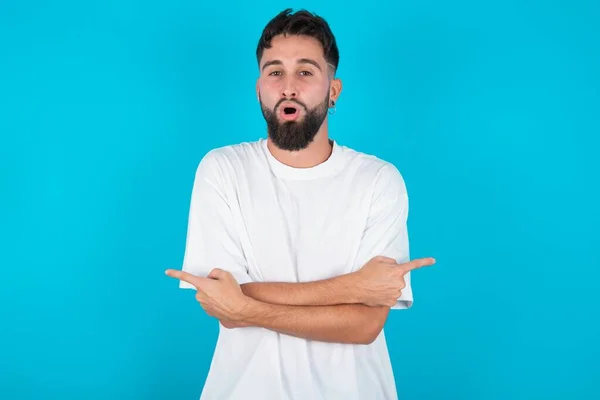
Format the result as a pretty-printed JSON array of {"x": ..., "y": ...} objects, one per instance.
[{"x": 296, "y": 244}]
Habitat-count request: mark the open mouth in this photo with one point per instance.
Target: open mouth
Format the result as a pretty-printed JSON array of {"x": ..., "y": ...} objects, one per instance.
[{"x": 289, "y": 113}]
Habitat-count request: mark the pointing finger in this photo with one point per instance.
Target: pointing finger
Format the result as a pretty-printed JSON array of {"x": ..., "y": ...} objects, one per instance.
[
  {"x": 184, "y": 276},
  {"x": 418, "y": 263}
]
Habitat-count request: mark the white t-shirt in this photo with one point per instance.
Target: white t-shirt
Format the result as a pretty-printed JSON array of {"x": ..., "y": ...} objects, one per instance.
[{"x": 265, "y": 221}]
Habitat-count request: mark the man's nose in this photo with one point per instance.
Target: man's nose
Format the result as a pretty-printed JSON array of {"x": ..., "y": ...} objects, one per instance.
[{"x": 289, "y": 88}]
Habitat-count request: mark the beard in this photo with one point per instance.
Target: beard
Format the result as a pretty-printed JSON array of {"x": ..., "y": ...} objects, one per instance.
[{"x": 295, "y": 135}]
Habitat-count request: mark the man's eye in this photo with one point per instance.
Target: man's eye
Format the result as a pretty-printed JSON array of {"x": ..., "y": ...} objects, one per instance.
[
  {"x": 275, "y": 73},
  {"x": 305, "y": 73}
]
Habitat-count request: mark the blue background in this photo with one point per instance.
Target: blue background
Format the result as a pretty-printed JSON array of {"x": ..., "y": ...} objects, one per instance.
[{"x": 489, "y": 109}]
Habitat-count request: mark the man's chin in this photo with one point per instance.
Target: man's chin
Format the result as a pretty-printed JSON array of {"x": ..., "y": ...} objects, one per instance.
[
  {"x": 284, "y": 142},
  {"x": 294, "y": 147}
]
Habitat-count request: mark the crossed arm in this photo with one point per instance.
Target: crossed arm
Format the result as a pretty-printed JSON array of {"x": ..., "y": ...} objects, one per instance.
[
  {"x": 351, "y": 308},
  {"x": 326, "y": 310}
]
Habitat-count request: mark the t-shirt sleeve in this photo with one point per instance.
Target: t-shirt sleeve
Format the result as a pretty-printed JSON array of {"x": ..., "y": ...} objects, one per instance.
[
  {"x": 386, "y": 233},
  {"x": 212, "y": 240}
]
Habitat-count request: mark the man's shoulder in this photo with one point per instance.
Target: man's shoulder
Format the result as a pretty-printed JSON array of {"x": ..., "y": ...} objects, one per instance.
[
  {"x": 229, "y": 152},
  {"x": 373, "y": 167},
  {"x": 230, "y": 157}
]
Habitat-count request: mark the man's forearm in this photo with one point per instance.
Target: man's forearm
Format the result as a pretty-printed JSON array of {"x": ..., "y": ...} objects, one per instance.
[
  {"x": 347, "y": 323},
  {"x": 333, "y": 291}
]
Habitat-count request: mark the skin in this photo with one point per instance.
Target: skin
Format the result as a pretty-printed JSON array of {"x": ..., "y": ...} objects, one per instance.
[{"x": 351, "y": 308}]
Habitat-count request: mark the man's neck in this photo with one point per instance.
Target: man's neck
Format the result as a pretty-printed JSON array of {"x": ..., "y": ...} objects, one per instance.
[{"x": 317, "y": 152}]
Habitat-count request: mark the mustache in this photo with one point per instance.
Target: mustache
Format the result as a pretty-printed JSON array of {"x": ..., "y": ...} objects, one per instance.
[{"x": 291, "y": 101}]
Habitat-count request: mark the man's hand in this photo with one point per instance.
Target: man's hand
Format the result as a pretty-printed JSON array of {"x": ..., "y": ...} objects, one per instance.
[
  {"x": 219, "y": 295},
  {"x": 380, "y": 281}
]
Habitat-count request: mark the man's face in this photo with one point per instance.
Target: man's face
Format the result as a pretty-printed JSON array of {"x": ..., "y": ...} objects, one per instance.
[{"x": 294, "y": 90}]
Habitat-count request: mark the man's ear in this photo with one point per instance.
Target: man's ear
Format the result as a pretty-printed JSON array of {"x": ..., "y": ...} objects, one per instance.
[{"x": 335, "y": 89}]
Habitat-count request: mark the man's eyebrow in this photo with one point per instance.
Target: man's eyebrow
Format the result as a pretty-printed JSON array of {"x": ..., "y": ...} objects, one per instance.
[
  {"x": 300, "y": 61},
  {"x": 309, "y": 61},
  {"x": 272, "y": 62}
]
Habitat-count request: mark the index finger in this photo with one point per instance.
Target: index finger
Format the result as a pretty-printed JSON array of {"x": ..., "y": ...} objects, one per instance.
[
  {"x": 417, "y": 263},
  {"x": 184, "y": 276}
]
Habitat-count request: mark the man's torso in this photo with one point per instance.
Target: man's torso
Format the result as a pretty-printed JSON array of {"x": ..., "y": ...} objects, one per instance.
[{"x": 297, "y": 226}]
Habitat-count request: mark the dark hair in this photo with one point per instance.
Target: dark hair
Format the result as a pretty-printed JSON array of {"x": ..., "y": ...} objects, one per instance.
[{"x": 300, "y": 23}]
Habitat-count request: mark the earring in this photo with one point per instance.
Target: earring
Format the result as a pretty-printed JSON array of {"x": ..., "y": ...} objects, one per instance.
[{"x": 332, "y": 106}]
